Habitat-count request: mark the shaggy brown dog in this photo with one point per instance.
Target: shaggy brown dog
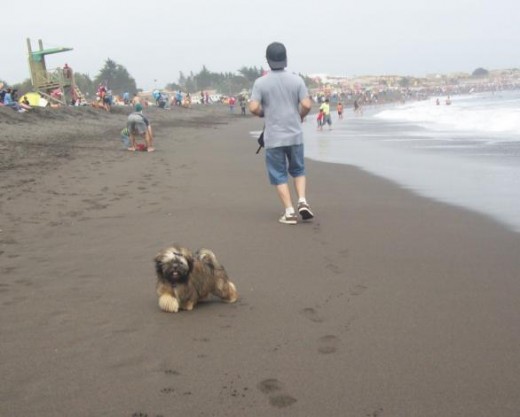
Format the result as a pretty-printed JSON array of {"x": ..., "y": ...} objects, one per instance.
[{"x": 184, "y": 278}]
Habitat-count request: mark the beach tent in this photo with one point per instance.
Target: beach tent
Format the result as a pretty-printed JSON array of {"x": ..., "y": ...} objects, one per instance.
[{"x": 35, "y": 99}]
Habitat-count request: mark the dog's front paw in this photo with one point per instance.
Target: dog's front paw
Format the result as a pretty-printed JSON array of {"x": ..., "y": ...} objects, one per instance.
[
  {"x": 232, "y": 294},
  {"x": 168, "y": 303}
]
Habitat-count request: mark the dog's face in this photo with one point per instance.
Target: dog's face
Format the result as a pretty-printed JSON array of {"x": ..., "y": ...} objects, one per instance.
[{"x": 174, "y": 265}]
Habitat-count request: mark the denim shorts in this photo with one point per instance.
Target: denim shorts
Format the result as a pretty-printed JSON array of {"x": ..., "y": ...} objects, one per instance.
[
  {"x": 327, "y": 120},
  {"x": 283, "y": 160}
]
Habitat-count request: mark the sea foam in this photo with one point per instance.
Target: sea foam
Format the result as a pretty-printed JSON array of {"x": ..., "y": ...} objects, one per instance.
[{"x": 465, "y": 114}]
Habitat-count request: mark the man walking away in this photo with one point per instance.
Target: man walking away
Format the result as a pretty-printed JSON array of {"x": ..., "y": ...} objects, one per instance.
[{"x": 282, "y": 98}]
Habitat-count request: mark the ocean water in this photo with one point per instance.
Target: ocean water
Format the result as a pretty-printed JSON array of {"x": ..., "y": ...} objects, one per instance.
[{"x": 466, "y": 154}]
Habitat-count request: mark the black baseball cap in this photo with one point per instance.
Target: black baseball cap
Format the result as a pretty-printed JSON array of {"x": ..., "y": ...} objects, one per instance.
[{"x": 276, "y": 55}]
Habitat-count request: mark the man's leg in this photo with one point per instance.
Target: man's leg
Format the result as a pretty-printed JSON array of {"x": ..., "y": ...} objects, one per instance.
[
  {"x": 299, "y": 185},
  {"x": 149, "y": 141},
  {"x": 285, "y": 195},
  {"x": 289, "y": 217},
  {"x": 303, "y": 207},
  {"x": 132, "y": 137}
]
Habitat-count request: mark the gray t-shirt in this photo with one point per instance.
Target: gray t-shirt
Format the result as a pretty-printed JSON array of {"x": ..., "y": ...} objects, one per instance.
[{"x": 280, "y": 93}]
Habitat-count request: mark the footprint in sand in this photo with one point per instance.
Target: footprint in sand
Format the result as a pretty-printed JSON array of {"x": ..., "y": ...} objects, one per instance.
[
  {"x": 8, "y": 269},
  {"x": 334, "y": 268},
  {"x": 274, "y": 389},
  {"x": 312, "y": 315},
  {"x": 168, "y": 390},
  {"x": 270, "y": 385},
  {"x": 328, "y": 344},
  {"x": 171, "y": 372},
  {"x": 357, "y": 290},
  {"x": 376, "y": 413}
]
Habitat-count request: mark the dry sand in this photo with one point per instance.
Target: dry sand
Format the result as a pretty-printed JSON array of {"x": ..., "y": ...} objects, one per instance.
[{"x": 387, "y": 304}]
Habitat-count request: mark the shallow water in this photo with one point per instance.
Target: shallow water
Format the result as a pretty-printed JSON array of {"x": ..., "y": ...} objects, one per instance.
[{"x": 466, "y": 154}]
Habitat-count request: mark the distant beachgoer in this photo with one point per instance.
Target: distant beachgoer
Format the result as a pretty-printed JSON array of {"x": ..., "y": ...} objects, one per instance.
[
  {"x": 156, "y": 94},
  {"x": 102, "y": 97},
  {"x": 358, "y": 110},
  {"x": 9, "y": 102},
  {"x": 138, "y": 124},
  {"x": 326, "y": 113},
  {"x": 231, "y": 102},
  {"x": 3, "y": 91},
  {"x": 107, "y": 100},
  {"x": 136, "y": 100},
  {"x": 243, "y": 103},
  {"x": 187, "y": 101},
  {"x": 178, "y": 98},
  {"x": 101, "y": 91},
  {"x": 339, "y": 109},
  {"x": 437, "y": 102},
  {"x": 67, "y": 71},
  {"x": 319, "y": 119},
  {"x": 448, "y": 101}
]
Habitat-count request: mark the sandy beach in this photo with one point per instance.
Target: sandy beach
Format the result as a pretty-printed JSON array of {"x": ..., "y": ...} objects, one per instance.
[{"x": 387, "y": 304}]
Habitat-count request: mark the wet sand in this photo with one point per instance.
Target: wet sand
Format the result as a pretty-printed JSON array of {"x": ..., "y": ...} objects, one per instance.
[{"x": 387, "y": 304}]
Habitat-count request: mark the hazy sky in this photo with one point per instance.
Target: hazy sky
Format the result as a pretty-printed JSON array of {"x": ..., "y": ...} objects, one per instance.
[{"x": 155, "y": 39}]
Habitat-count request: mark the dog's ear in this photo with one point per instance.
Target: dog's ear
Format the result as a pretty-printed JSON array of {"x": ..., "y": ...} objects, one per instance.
[
  {"x": 158, "y": 260},
  {"x": 161, "y": 259}
]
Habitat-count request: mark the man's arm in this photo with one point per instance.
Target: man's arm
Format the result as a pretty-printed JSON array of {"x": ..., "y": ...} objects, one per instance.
[
  {"x": 256, "y": 108},
  {"x": 305, "y": 107}
]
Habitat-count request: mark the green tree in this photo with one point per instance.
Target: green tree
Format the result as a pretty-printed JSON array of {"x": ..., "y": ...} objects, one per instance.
[
  {"x": 116, "y": 78},
  {"x": 182, "y": 79},
  {"x": 480, "y": 72},
  {"x": 191, "y": 84},
  {"x": 85, "y": 84},
  {"x": 203, "y": 79},
  {"x": 251, "y": 73},
  {"x": 311, "y": 82},
  {"x": 405, "y": 82},
  {"x": 228, "y": 83},
  {"x": 24, "y": 87},
  {"x": 172, "y": 86}
]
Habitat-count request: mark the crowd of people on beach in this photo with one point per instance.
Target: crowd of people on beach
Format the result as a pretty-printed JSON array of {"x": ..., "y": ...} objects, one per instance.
[{"x": 9, "y": 98}]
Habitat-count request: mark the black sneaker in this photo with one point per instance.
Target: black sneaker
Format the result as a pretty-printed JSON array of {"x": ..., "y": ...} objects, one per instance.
[{"x": 305, "y": 211}]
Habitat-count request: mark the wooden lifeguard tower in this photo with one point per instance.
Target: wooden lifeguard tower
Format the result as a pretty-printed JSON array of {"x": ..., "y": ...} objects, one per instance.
[{"x": 56, "y": 85}]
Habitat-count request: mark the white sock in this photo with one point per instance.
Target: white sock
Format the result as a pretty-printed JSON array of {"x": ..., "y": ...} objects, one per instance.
[
  {"x": 302, "y": 200},
  {"x": 289, "y": 211}
]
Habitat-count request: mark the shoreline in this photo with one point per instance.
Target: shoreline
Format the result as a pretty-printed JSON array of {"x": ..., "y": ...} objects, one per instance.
[
  {"x": 387, "y": 303},
  {"x": 448, "y": 166}
]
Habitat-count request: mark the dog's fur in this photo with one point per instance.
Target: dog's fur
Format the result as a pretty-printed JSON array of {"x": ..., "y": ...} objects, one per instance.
[{"x": 184, "y": 278}]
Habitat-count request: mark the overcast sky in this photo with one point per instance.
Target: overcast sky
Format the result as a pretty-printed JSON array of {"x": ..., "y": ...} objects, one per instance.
[{"x": 155, "y": 39}]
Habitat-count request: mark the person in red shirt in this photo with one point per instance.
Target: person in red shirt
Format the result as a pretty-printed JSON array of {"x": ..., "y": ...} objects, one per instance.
[{"x": 319, "y": 119}]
